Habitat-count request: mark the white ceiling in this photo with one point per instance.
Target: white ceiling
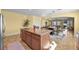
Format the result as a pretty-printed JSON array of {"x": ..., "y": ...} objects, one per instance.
[{"x": 39, "y": 12}]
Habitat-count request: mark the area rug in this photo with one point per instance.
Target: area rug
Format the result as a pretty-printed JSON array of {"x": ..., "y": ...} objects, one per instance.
[{"x": 15, "y": 46}]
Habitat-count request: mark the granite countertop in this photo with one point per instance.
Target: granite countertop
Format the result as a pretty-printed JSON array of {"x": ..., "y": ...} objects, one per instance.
[{"x": 39, "y": 31}]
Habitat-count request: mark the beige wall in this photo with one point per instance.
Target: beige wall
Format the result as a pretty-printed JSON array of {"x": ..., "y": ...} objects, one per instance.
[
  {"x": 13, "y": 22},
  {"x": 70, "y": 14},
  {"x": 0, "y": 10},
  {"x": 37, "y": 21},
  {"x": 77, "y": 23},
  {"x": 43, "y": 20}
]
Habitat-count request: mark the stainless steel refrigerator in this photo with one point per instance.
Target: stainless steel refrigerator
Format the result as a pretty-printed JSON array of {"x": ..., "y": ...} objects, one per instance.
[{"x": 1, "y": 32}]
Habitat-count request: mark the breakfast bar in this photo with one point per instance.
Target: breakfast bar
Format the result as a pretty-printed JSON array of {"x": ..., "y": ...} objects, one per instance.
[{"x": 36, "y": 39}]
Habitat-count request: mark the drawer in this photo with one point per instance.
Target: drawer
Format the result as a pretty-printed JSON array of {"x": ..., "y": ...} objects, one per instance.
[
  {"x": 27, "y": 33},
  {"x": 36, "y": 37}
]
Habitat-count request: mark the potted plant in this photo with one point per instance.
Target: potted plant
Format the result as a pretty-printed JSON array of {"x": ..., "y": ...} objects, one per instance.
[{"x": 26, "y": 23}]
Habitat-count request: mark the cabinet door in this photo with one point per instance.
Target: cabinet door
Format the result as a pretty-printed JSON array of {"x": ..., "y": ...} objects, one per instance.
[
  {"x": 28, "y": 38},
  {"x": 45, "y": 42},
  {"x": 22, "y": 34},
  {"x": 35, "y": 42}
]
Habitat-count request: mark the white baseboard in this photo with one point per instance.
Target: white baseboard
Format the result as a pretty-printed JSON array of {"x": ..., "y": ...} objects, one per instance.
[{"x": 10, "y": 34}]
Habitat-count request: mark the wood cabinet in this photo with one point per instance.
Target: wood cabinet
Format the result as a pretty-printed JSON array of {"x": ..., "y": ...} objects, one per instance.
[
  {"x": 35, "y": 41},
  {"x": 28, "y": 38}
]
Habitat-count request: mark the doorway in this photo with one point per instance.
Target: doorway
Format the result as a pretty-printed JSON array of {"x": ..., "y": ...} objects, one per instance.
[
  {"x": 63, "y": 22},
  {"x": 64, "y": 32}
]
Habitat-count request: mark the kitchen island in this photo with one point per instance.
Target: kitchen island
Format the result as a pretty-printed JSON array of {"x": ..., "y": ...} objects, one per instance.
[{"x": 36, "y": 39}]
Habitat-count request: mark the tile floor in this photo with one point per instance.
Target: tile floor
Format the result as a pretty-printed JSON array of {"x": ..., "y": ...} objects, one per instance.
[{"x": 68, "y": 43}]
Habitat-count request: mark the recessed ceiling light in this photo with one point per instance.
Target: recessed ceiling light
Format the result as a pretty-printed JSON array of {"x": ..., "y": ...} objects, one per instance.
[
  {"x": 53, "y": 11},
  {"x": 29, "y": 9},
  {"x": 59, "y": 9}
]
